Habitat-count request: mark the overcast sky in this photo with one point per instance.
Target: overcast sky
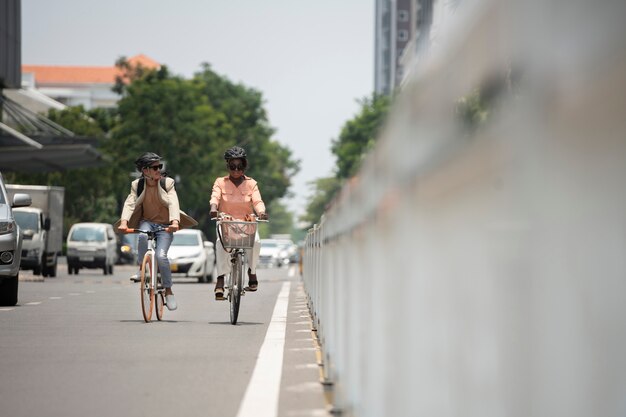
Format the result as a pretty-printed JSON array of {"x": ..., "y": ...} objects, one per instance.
[{"x": 311, "y": 59}]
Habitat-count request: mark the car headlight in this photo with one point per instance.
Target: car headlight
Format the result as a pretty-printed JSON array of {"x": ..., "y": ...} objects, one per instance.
[
  {"x": 7, "y": 227},
  {"x": 126, "y": 249}
]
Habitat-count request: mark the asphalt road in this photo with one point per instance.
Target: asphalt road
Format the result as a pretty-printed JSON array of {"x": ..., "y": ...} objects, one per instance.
[{"x": 77, "y": 345}]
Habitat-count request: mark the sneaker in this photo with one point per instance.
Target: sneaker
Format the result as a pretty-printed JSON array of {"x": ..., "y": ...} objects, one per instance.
[
  {"x": 170, "y": 302},
  {"x": 135, "y": 278}
]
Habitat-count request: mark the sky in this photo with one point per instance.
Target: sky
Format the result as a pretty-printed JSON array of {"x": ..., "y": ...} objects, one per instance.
[{"x": 311, "y": 60}]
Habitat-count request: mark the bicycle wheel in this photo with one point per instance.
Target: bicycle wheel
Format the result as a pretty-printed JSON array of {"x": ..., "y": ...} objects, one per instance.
[
  {"x": 147, "y": 291},
  {"x": 235, "y": 289},
  {"x": 159, "y": 297}
]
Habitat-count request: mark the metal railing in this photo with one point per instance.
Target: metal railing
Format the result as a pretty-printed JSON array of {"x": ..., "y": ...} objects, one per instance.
[{"x": 475, "y": 266}]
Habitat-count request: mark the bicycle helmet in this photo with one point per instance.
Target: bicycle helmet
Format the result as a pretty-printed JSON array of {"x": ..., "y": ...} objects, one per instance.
[
  {"x": 146, "y": 160},
  {"x": 236, "y": 152}
]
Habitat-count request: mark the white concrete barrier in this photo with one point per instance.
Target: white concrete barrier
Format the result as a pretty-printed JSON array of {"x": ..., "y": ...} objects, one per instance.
[{"x": 476, "y": 266}]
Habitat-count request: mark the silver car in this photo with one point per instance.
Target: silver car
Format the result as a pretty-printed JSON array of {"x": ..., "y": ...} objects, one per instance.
[{"x": 10, "y": 245}]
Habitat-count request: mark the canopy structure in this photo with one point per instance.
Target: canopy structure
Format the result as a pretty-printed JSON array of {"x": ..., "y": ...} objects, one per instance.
[{"x": 29, "y": 142}]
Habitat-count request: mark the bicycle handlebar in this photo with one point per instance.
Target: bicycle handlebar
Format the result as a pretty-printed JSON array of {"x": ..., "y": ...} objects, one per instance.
[{"x": 162, "y": 229}]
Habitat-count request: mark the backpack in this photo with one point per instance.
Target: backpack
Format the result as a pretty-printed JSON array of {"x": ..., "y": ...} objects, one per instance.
[{"x": 142, "y": 182}]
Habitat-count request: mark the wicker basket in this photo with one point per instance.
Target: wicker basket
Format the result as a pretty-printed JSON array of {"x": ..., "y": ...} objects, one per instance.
[{"x": 237, "y": 234}]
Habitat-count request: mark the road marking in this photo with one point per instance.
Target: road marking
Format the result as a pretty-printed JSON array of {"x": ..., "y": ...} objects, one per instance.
[
  {"x": 33, "y": 303},
  {"x": 55, "y": 298},
  {"x": 6, "y": 309},
  {"x": 261, "y": 398},
  {"x": 90, "y": 292},
  {"x": 292, "y": 272}
]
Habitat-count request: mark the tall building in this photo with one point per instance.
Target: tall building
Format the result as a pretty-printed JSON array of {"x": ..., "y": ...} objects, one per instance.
[
  {"x": 393, "y": 32},
  {"x": 405, "y": 31}
]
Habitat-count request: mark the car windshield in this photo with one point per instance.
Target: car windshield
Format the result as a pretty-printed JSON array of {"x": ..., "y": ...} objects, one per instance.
[
  {"x": 181, "y": 239},
  {"x": 87, "y": 234},
  {"x": 27, "y": 221},
  {"x": 269, "y": 244}
]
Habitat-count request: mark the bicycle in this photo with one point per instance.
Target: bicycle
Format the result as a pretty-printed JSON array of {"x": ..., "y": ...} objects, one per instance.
[
  {"x": 151, "y": 287},
  {"x": 236, "y": 236}
]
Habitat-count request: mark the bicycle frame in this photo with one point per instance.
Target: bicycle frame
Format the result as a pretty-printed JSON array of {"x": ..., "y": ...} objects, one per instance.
[
  {"x": 156, "y": 293},
  {"x": 237, "y": 248}
]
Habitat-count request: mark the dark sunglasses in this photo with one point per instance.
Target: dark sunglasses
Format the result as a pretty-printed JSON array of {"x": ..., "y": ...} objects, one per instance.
[
  {"x": 234, "y": 167},
  {"x": 155, "y": 167}
]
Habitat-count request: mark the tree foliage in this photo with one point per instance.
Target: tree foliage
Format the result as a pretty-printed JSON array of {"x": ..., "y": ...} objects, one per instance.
[
  {"x": 189, "y": 122},
  {"x": 356, "y": 139}
]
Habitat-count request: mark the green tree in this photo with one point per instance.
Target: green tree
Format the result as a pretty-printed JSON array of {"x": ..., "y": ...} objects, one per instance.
[
  {"x": 356, "y": 139},
  {"x": 190, "y": 123},
  {"x": 359, "y": 134}
]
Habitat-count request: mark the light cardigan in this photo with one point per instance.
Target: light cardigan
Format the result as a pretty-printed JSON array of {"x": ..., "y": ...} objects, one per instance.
[
  {"x": 237, "y": 201},
  {"x": 133, "y": 206}
]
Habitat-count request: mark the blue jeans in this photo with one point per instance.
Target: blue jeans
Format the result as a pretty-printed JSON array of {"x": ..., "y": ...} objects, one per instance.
[{"x": 163, "y": 242}]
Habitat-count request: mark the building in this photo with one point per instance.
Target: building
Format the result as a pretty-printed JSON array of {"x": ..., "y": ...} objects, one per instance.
[
  {"x": 78, "y": 85},
  {"x": 392, "y": 33},
  {"x": 405, "y": 31}
]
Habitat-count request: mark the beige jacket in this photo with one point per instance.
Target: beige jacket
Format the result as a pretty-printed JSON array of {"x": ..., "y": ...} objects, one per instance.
[{"x": 133, "y": 208}]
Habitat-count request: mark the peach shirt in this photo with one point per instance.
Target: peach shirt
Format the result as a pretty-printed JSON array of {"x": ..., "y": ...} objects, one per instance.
[{"x": 237, "y": 201}]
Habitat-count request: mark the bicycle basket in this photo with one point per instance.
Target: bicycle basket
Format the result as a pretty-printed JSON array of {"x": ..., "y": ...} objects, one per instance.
[{"x": 237, "y": 234}]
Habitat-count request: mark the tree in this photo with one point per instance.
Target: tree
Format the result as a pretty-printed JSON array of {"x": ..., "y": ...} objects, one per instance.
[
  {"x": 356, "y": 139},
  {"x": 359, "y": 134},
  {"x": 191, "y": 123}
]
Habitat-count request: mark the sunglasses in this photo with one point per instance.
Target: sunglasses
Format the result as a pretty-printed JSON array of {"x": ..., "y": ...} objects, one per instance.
[
  {"x": 234, "y": 167},
  {"x": 155, "y": 167}
]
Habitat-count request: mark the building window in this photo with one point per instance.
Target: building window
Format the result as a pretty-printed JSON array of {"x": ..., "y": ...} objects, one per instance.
[
  {"x": 403, "y": 35},
  {"x": 403, "y": 16}
]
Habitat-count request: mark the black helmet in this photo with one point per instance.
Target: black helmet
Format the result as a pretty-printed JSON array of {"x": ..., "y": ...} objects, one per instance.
[
  {"x": 236, "y": 152},
  {"x": 146, "y": 160}
]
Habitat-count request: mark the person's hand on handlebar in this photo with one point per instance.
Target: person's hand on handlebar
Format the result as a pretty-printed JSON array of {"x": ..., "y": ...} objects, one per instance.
[
  {"x": 123, "y": 226},
  {"x": 263, "y": 216},
  {"x": 174, "y": 226},
  {"x": 213, "y": 212}
]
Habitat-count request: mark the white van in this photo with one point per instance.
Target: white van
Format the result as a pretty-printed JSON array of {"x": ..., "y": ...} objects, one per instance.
[{"x": 91, "y": 245}]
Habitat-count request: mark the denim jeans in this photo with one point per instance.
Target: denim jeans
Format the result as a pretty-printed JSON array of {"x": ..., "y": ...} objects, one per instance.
[{"x": 163, "y": 242}]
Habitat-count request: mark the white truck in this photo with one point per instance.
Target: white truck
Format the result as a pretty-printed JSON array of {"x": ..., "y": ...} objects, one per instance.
[{"x": 42, "y": 227}]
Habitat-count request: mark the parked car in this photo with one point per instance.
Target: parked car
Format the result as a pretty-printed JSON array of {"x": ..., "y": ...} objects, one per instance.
[
  {"x": 10, "y": 245},
  {"x": 91, "y": 245},
  {"x": 192, "y": 255}
]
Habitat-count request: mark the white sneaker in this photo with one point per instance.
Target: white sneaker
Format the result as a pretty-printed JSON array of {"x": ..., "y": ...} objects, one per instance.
[
  {"x": 135, "y": 278},
  {"x": 170, "y": 302}
]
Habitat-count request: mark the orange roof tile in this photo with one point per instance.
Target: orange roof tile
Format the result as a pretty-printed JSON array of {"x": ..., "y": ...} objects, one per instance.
[{"x": 52, "y": 74}]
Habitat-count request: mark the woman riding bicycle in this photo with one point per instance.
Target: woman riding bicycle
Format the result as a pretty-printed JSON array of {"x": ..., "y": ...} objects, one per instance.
[
  {"x": 238, "y": 196},
  {"x": 151, "y": 205}
]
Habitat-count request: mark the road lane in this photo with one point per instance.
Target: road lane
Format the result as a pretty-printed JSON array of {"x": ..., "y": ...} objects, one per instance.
[{"x": 77, "y": 345}]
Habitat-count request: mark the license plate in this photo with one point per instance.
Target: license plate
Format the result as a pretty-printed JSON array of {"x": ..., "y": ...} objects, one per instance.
[
  {"x": 174, "y": 267},
  {"x": 86, "y": 258}
]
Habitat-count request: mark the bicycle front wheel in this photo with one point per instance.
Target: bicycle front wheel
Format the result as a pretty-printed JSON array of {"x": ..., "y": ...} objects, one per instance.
[
  {"x": 236, "y": 288},
  {"x": 146, "y": 288},
  {"x": 159, "y": 297}
]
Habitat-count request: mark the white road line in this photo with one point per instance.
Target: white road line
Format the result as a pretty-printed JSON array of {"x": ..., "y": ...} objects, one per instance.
[
  {"x": 292, "y": 272},
  {"x": 55, "y": 298},
  {"x": 6, "y": 309},
  {"x": 261, "y": 398},
  {"x": 33, "y": 303}
]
